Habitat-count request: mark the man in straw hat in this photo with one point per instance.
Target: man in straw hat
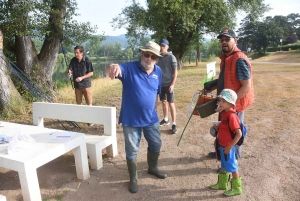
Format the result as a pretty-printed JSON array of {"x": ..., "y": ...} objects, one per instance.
[{"x": 141, "y": 86}]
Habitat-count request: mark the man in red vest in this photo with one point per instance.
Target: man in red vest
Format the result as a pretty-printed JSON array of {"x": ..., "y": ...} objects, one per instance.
[{"x": 235, "y": 74}]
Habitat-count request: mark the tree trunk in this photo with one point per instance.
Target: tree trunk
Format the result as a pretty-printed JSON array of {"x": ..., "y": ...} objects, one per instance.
[
  {"x": 4, "y": 83},
  {"x": 7, "y": 88},
  {"x": 47, "y": 61},
  {"x": 40, "y": 66},
  {"x": 26, "y": 54},
  {"x": 179, "y": 61},
  {"x": 198, "y": 53}
]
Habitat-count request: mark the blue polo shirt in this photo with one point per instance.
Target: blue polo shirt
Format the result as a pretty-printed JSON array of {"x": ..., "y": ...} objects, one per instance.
[{"x": 139, "y": 95}]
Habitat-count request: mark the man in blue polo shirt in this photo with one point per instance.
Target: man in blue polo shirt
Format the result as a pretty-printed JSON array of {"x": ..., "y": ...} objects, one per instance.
[{"x": 141, "y": 86}]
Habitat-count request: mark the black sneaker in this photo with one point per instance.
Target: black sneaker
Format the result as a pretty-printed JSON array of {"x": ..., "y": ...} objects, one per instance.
[
  {"x": 174, "y": 129},
  {"x": 164, "y": 123}
]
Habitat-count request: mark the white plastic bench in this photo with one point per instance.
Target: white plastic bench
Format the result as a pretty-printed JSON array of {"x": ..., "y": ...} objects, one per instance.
[
  {"x": 2, "y": 198},
  {"x": 105, "y": 116}
]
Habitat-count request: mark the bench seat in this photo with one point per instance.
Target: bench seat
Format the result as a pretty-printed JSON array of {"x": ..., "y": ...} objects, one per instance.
[
  {"x": 105, "y": 116},
  {"x": 94, "y": 145}
]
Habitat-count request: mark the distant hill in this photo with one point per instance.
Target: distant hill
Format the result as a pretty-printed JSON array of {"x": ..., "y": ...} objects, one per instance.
[
  {"x": 122, "y": 39},
  {"x": 112, "y": 39}
]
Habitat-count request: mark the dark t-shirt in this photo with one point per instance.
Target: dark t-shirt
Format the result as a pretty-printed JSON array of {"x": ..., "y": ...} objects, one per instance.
[{"x": 80, "y": 69}]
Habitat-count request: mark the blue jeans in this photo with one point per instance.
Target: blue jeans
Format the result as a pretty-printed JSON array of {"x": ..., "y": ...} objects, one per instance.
[{"x": 133, "y": 136}]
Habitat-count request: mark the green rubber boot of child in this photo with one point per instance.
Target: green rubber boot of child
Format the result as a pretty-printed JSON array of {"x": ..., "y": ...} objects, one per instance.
[
  {"x": 222, "y": 184},
  {"x": 236, "y": 187}
]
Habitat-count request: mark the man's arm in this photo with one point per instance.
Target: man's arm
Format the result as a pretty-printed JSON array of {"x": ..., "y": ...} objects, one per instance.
[
  {"x": 245, "y": 88},
  {"x": 174, "y": 66},
  {"x": 244, "y": 76},
  {"x": 90, "y": 74},
  {"x": 174, "y": 81},
  {"x": 69, "y": 70}
]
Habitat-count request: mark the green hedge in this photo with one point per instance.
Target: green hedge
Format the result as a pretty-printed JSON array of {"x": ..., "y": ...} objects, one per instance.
[{"x": 284, "y": 48}]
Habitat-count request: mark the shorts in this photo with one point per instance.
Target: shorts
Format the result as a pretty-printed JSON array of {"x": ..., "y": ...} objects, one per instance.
[
  {"x": 166, "y": 95},
  {"x": 86, "y": 92},
  {"x": 228, "y": 161}
]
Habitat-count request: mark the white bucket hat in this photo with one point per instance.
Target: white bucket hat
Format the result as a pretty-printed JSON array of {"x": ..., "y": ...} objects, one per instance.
[
  {"x": 152, "y": 47},
  {"x": 229, "y": 95}
]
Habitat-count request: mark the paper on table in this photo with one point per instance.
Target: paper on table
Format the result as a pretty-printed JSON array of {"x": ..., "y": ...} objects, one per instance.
[{"x": 63, "y": 136}]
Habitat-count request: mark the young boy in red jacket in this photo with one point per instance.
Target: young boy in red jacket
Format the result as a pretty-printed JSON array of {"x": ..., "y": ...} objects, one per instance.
[{"x": 226, "y": 142}]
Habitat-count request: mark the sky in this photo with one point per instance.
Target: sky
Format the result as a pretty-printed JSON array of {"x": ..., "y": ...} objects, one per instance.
[{"x": 101, "y": 12}]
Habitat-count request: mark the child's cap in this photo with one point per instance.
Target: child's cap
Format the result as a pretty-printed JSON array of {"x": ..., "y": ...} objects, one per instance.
[{"x": 228, "y": 95}]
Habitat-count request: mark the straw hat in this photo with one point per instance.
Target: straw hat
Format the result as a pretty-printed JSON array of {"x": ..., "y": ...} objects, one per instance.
[{"x": 152, "y": 47}]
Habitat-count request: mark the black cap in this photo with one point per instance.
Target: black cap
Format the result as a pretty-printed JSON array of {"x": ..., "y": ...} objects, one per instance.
[{"x": 227, "y": 32}]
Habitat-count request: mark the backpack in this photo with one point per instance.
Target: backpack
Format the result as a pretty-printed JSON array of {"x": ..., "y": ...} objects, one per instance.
[{"x": 243, "y": 128}]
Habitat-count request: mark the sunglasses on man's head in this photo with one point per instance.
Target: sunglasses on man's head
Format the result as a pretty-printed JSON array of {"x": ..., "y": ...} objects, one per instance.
[
  {"x": 147, "y": 55},
  {"x": 225, "y": 40}
]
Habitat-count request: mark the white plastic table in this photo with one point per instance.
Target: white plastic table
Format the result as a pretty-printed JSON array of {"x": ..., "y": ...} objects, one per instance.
[{"x": 46, "y": 148}]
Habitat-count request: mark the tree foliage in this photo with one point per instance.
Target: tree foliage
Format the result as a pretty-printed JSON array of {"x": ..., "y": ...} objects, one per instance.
[
  {"x": 269, "y": 32},
  {"x": 181, "y": 22},
  {"x": 50, "y": 21},
  {"x": 111, "y": 50},
  {"x": 94, "y": 44}
]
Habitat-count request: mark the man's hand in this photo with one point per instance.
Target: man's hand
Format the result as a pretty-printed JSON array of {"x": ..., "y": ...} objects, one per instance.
[
  {"x": 114, "y": 71},
  {"x": 78, "y": 79},
  {"x": 171, "y": 88},
  {"x": 69, "y": 73}
]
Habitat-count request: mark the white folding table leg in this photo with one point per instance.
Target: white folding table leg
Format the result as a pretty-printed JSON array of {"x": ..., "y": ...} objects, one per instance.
[
  {"x": 30, "y": 184},
  {"x": 81, "y": 162}
]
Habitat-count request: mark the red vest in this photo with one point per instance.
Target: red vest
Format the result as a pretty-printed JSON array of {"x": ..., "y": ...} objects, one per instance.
[{"x": 230, "y": 77}]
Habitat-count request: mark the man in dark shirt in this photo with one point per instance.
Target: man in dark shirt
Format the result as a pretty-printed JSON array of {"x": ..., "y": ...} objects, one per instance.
[{"x": 82, "y": 69}]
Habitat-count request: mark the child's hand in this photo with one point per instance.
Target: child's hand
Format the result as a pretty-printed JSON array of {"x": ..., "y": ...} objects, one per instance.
[
  {"x": 216, "y": 127},
  {"x": 227, "y": 149}
]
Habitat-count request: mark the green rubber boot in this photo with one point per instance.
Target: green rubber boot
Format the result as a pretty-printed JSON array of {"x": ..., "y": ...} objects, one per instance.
[
  {"x": 236, "y": 187},
  {"x": 222, "y": 184},
  {"x": 152, "y": 159},
  {"x": 132, "y": 169}
]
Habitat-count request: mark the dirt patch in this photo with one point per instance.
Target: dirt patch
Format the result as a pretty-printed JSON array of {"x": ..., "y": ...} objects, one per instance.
[{"x": 270, "y": 165}]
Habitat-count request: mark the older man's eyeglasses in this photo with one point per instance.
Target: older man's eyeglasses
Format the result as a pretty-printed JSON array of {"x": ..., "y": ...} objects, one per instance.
[
  {"x": 147, "y": 55},
  {"x": 225, "y": 40}
]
